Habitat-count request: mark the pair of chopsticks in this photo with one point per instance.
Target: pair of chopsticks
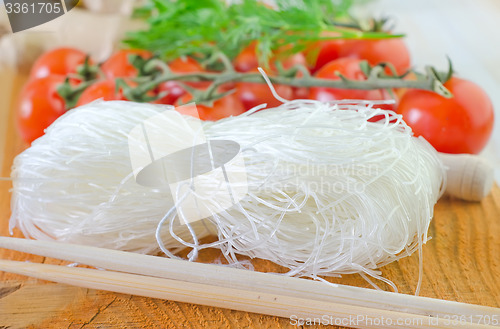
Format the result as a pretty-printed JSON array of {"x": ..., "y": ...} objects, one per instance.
[{"x": 243, "y": 290}]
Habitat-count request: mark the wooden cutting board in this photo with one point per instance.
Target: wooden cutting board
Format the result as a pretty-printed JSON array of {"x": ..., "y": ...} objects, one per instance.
[{"x": 461, "y": 263}]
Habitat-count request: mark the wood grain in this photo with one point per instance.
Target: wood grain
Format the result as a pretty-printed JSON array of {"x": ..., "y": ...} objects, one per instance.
[{"x": 461, "y": 263}]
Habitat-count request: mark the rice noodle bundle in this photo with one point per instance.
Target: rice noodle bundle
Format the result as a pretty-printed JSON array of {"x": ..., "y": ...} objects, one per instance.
[{"x": 329, "y": 191}]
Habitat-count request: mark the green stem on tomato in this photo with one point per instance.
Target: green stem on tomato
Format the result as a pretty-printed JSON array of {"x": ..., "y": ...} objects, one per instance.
[
  {"x": 376, "y": 79},
  {"x": 70, "y": 93},
  {"x": 154, "y": 72}
]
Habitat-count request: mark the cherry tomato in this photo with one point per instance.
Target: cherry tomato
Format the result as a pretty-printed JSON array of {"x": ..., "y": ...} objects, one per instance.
[
  {"x": 327, "y": 51},
  {"x": 301, "y": 92},
  {"x": 224, "y": 107},
  {"x": 350, "y": 68},
  {"x": 247, "y": 60},
  {"x": 461, "y": 124},
  {"x": 391, "y": 50},
  {"x": 185, "y": 65},
  {"x": 105, "y": 89},
  {"x": 60, "y": 61},
  {"x": 172, "y": 89},
  {"x": 253, "y": 94},
  {"x": 401, "y": 91},
  {"x": 318, "y": 54},
  {"x": 119, "y": 66},
  {"x": 39, "y": 106}
]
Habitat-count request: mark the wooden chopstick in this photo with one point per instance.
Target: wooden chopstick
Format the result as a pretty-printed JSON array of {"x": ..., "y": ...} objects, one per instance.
[
  {"x": 219, "y": 286},
  {"x": 206, "y": 294}
]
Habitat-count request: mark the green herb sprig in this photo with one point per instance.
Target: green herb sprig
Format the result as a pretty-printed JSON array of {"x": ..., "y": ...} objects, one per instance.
[{"x": 200, "y": 28}]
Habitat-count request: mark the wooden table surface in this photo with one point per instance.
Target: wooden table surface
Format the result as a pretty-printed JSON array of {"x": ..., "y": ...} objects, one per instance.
[{"x": 461, "y": 263}]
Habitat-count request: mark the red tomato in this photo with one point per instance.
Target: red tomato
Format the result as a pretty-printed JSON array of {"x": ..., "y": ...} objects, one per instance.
[
  {"x": 327, "y": 51},
  {"x": 374, "y": 51},
  {"x": 224, "y": 107},
  {"x": 39, "y": 106},
  {"x": 300, "y": 92},
  {"x": 105, "y": 89},
  {"x": 350, "y": 68},
  {"x": 247, "y": 60},
  {"x": 185, "y": 65},
  {"x": 60, "y": 61},
  {"x": 172, "y": 89},
  {"x": 461, "y": 124},
  {"x": 253, "y": 94},
  {"x": 118, "y": 65}
]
